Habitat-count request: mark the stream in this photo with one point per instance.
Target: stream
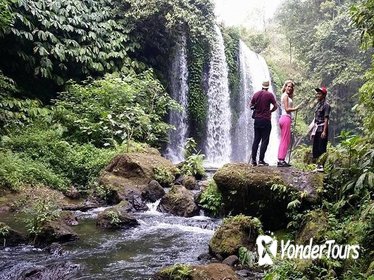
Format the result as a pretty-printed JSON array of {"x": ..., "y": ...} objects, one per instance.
[{"x": 137, "y": 253}]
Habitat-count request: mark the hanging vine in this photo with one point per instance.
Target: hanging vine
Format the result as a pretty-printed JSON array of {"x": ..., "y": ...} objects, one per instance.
[{"x": 197, "y": 99}]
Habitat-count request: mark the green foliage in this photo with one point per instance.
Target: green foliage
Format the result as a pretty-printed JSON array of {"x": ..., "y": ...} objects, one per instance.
[
  {"x": 164, "y": 176},
  {"x": 114, "y": 217},
  {"x": 351, "y": 166},
  {"x": 115, "y": 109},
  {"x": 66, "y": 39},
  {"x": 190, "y": 148},
  {"x": 284, "y": 270},
  {"x": 196, "y": 17},
  {"x": 17, "y": 170},
  {"x": 178, "y": 272},
  {"x": 39, "y": 154},
  {"x": 211, "y": 199},
  {"x": 246, "y": 257},
  {"x": 6, "y": 16},
  {"x": 193, "y": 166},
  {"x": 366, "y": 104},
  {"x": 42, "y": 211},
  {"x": 102, "y": 192},
  {"x": 15, "y": 112},
  {"x": 362, "y": 15},
  {"x": 328, "y": 46}
]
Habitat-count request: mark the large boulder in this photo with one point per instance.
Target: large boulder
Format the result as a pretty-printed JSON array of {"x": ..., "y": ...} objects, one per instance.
[
  {"x": 179, "y": 201},
  {"x": 55, "y": 231},
  {"x": 128, "y": 176},
  {"x": 235, "y": 232},
  {"x": 153, "y": 191},
  {"x": 216, "y": 271},
  {"x": 265, "y": 191}
]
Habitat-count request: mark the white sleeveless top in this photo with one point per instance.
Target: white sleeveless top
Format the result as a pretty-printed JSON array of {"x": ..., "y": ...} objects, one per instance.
[{"x": 290, "y": 104}]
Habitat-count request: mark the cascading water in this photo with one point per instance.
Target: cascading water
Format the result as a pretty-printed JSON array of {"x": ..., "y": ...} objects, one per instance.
[
  {"x": 218, "y": 142},
  {"x": 253, "y": 71},
  {"x": 179, "y": 90}
]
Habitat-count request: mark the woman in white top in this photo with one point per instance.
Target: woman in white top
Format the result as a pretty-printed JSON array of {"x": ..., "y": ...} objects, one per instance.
[{"x": 285, "y": 121}]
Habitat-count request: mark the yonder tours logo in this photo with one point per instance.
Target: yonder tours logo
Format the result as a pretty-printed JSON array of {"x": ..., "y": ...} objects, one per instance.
[{"x": 267, "y": 250}]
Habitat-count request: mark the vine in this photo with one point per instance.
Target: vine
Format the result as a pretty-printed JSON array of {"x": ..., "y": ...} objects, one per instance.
[
  {"x": 197, "y": 99},
  {"x": 231, "y": 40}
]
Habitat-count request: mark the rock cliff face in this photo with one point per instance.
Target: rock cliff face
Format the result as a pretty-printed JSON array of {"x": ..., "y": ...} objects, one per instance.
[{"x": 265, "y": 192}]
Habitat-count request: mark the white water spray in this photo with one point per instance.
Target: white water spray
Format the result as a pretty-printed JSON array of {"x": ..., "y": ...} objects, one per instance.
[
  {"x": 218, "y": 142},
  {"x": 179, "y": 90}
]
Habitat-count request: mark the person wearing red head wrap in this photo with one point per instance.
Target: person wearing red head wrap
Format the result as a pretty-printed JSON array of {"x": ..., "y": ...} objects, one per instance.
[{"x": 321, "y": 126}]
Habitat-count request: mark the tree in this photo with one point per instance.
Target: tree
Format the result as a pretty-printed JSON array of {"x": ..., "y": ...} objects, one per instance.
[
  {"x": 325, "y": 40},
  {"x": 50, "y": 43}
]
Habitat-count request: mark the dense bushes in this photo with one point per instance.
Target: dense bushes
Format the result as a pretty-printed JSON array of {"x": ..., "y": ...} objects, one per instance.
[
  {"x": 73, "y": 140},
  {"x": 115, "y": 109},
  {"x": 40, "y": 155}
]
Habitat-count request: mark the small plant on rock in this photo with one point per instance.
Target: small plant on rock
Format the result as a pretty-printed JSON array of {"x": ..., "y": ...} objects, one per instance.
[
  {"x": 114, "y": 218},
  {"x": 211, "y": 199},
  {"x": 193, "y": 165},
  {"x": 246, "y": 257},
  {"x": 4, "y": 232},
  {"x": 43, "y": 209},
  {"x": 163, "y": 176}
]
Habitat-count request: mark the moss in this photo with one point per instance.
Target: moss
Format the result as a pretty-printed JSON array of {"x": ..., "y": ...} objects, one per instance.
[
  {"x": 176, "y": 272},
  {"x": 315, "y": 225},
  {"x": 235, "y": 232},
  {"x": 316, "y": 181}
]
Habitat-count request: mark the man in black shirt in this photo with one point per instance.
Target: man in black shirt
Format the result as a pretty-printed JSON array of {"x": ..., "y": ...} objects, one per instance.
[{"x": 321, "y": 125}]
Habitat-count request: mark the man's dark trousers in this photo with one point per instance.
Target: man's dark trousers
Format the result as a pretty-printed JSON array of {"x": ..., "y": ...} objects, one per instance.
[
  {"x": 319, "y": 145},
  {"x": 262, "y": 133}
]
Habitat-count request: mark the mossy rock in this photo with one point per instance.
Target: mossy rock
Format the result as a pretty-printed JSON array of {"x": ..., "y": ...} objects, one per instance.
[
  {"x": 216, "y": 271},
  {"x": 128, "y": 175},
  {"x": 115, "y": 218},
  {"x": 139, "y": 166},
  {"x": 265, "y": 192},
  {"x": 55, "y": 231},
  {"x": 235, "y": 232},
  {"x": 315, "y": 225},
  {"x": 174, "y": 272},
  {"x": 179, "y": 201}
]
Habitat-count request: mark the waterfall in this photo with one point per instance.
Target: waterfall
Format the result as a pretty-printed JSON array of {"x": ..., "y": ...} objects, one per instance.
[
  {"x": 253, "y": 70},
  {"x": 218, "y": 142},
  {"x": 179, "y": 90}
]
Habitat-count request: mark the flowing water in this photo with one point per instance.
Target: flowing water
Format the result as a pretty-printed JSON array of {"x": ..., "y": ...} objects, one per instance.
[
  {"x": 160, "y": 240},
  {"x": 178, "y": 90},
  {"x": 253, "y": 71},
  {"x": 218, "y": 141},
  {"x": 222, "y": 144}
]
